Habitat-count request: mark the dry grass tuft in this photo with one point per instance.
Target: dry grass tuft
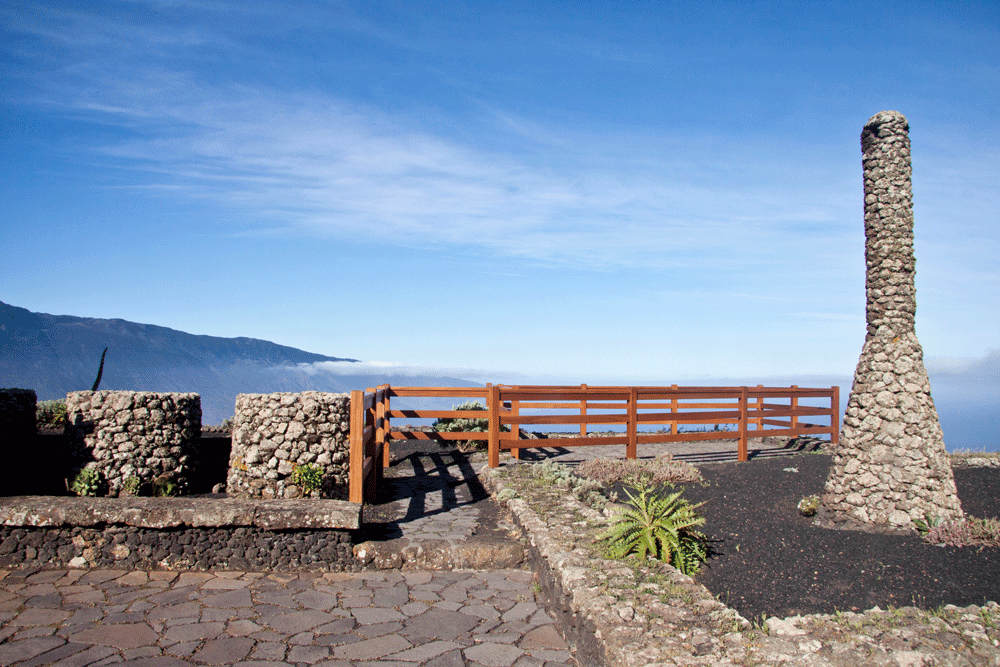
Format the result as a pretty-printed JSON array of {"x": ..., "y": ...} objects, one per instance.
[{"x": 659, "y": 470}]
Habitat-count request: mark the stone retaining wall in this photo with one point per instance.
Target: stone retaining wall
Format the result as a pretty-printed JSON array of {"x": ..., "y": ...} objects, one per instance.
[
  {"x": 275, "y": 433},
  {"x": 214, "y": 548},
  {"x": 134, "y": 434},
  {"x": 632, "y": 613},
  {"x": 179, "y": 533}
]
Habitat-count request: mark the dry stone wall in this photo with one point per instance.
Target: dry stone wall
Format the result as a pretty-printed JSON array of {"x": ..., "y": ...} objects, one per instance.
[
  {"x": 890, "y": 467},
  {"x": 184, "y": 548},
  {"x": 134, "y": 434},
  {"x": 273, "y": 434}
]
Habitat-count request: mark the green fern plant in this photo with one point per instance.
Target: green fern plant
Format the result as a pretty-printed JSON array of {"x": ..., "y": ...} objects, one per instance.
[{"x": 661, "y": 527}]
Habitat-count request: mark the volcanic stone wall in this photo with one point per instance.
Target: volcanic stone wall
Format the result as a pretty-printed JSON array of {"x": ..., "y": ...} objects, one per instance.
[
  {"x": 134, "y": 434},
  {"x": 890, "y": 467},
  {"x": 275, "y": 433},
  {"x": 209, "y": 548}
]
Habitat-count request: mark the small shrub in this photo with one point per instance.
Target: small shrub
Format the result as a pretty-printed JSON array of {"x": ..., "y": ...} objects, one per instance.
[
  {"x": 165, "y": 486},
  {"x": 132, "y": 486},
  {"x": 50, "y": 414},
  {"x": 928, "y": 523},
  {"x": 308, "y": 477},
  {"x": 809, "y": 505},
  {"x": 659, "y": 527},
  {"x": 457, "y": 424},
  {"x": 467, "y": 425},
  {"x": 969, "y": 532},
  {"x": 561, "y": 476},
  {"x": 86, "y": 483},
  {"x": 661, "y": 470}
]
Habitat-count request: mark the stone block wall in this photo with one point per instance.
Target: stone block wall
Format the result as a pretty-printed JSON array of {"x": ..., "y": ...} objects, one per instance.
[
  {"x": 275, "y": 433},
  {"x": 123, "y": 434},
  {"x": 188, "y": 548}
]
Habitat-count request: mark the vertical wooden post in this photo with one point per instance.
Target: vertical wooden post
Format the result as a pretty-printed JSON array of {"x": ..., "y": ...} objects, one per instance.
[
  {"x": 493, "y": 405},
  {"x": 515, "y": 429},
  {"x": 835, "y": 416},
  {"x": 633, "y": 425},
  {"x": 760, "y": 410},
  {"x": 674, "y": 405},
  {"x": 795, "y": 408},
  {"x": 742, "y": 452},
  {"x": 381, "y": 448},
  {"x": 583, "y": 412},
  {"x": 357, "y": 454},
  {"x": 386, "y": 455}
]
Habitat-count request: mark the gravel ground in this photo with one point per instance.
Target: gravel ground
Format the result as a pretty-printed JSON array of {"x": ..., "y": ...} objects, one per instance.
[{"x": 771, "y": 561}]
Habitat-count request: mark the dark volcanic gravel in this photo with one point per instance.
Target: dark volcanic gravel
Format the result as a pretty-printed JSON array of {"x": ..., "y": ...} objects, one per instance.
[{"x": 771, "y": 561}]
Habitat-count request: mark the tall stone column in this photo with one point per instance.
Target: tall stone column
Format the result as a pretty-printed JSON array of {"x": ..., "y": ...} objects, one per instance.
[{"x": 890, "y": 466}]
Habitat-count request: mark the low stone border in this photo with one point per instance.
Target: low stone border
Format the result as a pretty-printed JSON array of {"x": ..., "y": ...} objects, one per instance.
[
  {"x": 211, "y": 548},
  {"x": 179, "y": 533},
  {"x": 625, "y": 613},
  {"x": 41, "y": 511},
  {"x": 975, "y": 460}
]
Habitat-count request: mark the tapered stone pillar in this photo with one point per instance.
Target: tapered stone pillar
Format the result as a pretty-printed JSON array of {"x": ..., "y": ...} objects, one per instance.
[{"x": 890, "y": 466}]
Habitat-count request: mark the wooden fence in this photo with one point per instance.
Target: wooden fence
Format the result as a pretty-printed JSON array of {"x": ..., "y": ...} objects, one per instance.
[{"x": 750, "y": 412}]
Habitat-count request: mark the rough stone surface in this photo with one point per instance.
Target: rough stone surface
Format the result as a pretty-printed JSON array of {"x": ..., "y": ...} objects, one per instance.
[
  {"x": 890, "y": 467},
  {"x": 273, "y": 434},
  {"x": 134, "y": 434},
  {"x": 625, "y": 613},
  {"x": 168, "y": 619},
  {"x": 160, "y": 513},
  {"x": 209, "y": 548}
]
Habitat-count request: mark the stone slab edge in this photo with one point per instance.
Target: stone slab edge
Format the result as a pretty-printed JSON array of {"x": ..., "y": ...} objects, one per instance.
[
  {"x": 405, "y": 554},
  {"x": 612, "y": 622},
  {"x": 159, "y": 513},
  {"x": 607, "y": 619}
]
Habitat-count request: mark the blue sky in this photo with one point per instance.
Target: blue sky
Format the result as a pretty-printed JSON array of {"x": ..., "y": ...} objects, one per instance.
[{"x": 583, "y": 192}]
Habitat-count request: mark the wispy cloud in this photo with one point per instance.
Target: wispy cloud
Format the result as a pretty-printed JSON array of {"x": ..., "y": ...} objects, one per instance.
[
  {"x": 311, "y": 163},
  {"x": 393, "y": 369}
]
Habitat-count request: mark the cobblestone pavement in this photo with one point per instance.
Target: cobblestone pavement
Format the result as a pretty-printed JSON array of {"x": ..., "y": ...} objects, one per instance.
[
  {"x": 434, "y": 496},
  {"x": 171, "y": 619}
]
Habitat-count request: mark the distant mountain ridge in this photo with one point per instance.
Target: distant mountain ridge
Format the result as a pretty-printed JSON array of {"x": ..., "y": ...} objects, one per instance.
[{"x": 56, "y": 354}]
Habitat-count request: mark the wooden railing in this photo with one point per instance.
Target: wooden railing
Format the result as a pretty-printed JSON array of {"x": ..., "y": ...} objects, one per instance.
[
  {"x": 369, "y": 451},
  {"x": 750, "y": 412}
]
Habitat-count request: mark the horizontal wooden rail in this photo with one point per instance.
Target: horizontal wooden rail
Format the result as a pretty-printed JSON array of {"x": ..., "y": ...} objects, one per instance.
[{"x": 753, "y": 412}]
